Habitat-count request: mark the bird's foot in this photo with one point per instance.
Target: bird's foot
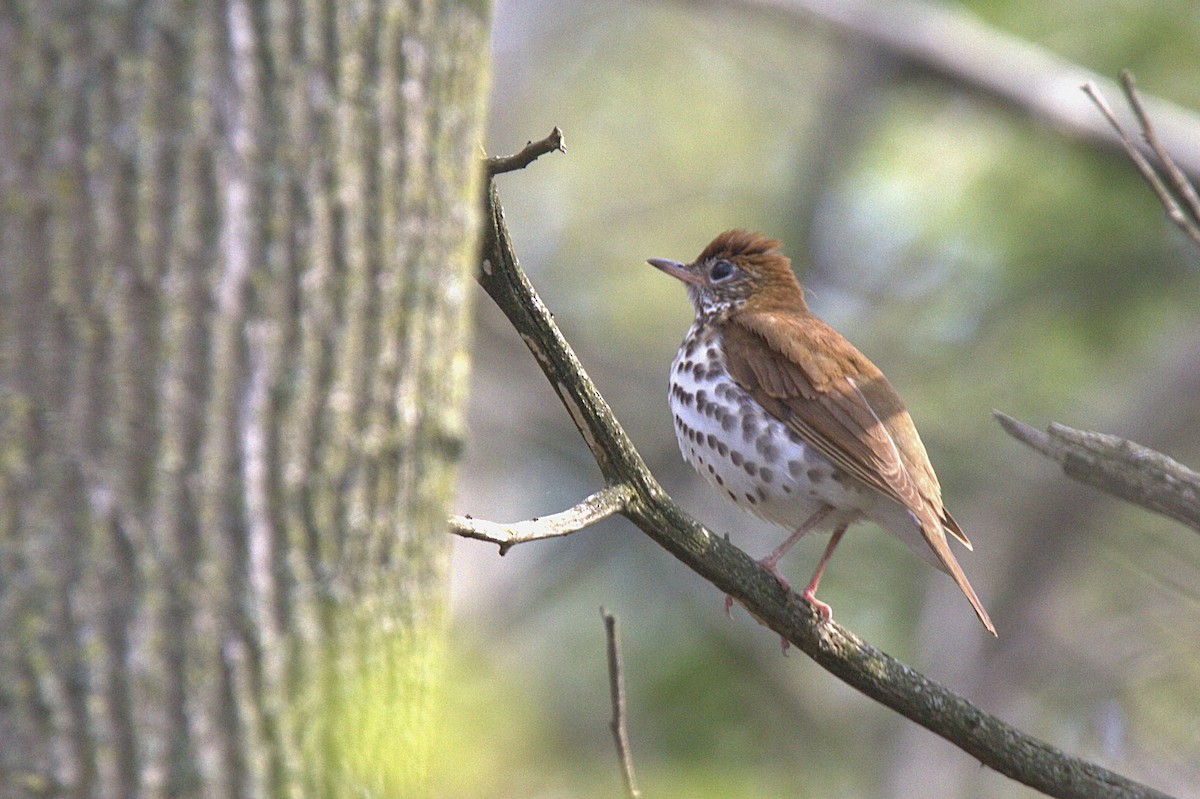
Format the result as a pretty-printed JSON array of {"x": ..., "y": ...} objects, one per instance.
[
  {"x": 823, "y": 610},
  {"x": 728, "y": 606},
  {"x": 768, "y": 563}
]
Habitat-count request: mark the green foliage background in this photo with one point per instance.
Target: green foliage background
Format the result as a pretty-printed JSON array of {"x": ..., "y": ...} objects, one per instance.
[{"x": 980, "y": 258}]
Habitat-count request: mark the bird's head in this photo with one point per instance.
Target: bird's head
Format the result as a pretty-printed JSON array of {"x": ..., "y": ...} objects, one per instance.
[{"x": 737, "y": 268}]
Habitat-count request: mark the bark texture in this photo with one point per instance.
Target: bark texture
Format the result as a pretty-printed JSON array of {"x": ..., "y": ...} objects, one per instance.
[{"x": 235, "y": 251}]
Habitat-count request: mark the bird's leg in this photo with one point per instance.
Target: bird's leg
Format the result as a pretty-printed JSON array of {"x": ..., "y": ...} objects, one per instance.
[
  {"x": 809, "y": 594},
  {"x": 770, "y": 561}
]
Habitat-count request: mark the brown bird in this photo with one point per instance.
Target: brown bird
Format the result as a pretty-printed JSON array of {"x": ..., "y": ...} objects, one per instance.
[{"x": 788, "y": 419}]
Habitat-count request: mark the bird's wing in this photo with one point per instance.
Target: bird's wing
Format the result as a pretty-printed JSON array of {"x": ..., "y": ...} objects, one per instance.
[
  {"x": 808, "y": 376},
  {"x": 816, "y": 382}
]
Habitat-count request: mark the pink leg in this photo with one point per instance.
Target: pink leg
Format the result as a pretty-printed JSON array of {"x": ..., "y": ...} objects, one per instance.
[
  {"x": 770, "y": 561},
  {"x": 809, "y": 594}
]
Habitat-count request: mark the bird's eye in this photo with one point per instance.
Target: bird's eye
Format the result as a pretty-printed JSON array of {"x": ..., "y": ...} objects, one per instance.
[{"x": 721, "y": 270}]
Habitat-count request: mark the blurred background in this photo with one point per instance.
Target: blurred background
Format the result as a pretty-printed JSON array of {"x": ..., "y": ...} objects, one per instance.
[{"x": 981, "y": 257}]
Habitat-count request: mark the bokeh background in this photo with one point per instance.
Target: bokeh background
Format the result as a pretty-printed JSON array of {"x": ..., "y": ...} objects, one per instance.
[{"x": 981, "y": 257}]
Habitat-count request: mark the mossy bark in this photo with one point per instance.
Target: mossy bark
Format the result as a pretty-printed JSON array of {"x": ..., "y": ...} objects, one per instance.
[{"x": 235, "y": 257}]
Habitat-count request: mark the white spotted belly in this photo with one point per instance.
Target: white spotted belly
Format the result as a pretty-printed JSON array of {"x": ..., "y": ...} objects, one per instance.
[{"x": 746, "y": 453}]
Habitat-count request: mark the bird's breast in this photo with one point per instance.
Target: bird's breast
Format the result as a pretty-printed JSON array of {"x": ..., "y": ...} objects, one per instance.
[{"x": 754, "y": 459}]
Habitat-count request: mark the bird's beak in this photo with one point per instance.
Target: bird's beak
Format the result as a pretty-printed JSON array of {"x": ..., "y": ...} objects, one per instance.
[{"x": 676, "y": 270}]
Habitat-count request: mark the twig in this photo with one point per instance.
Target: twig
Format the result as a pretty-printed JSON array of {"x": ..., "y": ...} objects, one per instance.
[
  {"x": 616, "y": 688},
  {"x": 1185, "y": 215},
  {"x": 600, "y": 505},
  {"x": 876, "y": 674},
  {"x": 1179, "y": 180},
  {"x": 531, "y": 152},
  {"x": 1118, "y": 467}
]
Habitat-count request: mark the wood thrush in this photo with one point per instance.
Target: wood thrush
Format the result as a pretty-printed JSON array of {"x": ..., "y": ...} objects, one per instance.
[{"x": 790, "y": 421}]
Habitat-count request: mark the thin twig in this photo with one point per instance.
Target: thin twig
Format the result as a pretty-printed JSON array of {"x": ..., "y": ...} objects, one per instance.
[
  {"x": 616, "y": 689},
  {"x": 1183, "y": 187},
  {"x": 606, "y": 502},
  {"x": 531, "y": 152},
  {"x": 1175, "y": 212},
  {"x": 876, "y": 674}
]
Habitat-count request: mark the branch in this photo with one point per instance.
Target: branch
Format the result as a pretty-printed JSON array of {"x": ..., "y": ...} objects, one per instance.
[
  {"x": 1180, "y": 199},
  {"x": 604, "y": 503},
  {"x": 947, "y": 41},
  {"x": 876, "y": 674},
  {"x": 1118, "y": 467},
  {"x": 616, "y": 689}
]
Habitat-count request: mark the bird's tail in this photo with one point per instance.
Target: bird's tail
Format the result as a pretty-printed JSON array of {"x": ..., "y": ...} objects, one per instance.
[{"x": 936, "y": 539}]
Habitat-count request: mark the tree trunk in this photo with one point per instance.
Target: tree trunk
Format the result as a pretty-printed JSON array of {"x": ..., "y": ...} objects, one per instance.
[{"x": 235, "y": 249}]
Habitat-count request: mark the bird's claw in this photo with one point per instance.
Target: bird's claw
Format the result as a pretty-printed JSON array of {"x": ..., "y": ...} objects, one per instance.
[{"x": 823, "y": 610}]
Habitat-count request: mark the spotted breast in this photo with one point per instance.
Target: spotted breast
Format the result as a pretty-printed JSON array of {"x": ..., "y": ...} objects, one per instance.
[{"x": 752, "y": 457}]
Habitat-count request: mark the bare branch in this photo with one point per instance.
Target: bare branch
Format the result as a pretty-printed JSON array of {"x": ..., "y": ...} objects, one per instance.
[
  {"x": 876, "y": 674},
  {"x": 531, "y": 152},
  {"x": 945, "y": 40},
  {"x": 1118, "y": 467},
  {"x": 604, "y": 503},
  {"x": 616, "y": 688}
]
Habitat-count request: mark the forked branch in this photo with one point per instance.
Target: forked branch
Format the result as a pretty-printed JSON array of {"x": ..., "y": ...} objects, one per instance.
[
  {"x": 1175, "y": 192},
  {"x": 532, "y": 151},
  {"x": 992, "y": 741}
]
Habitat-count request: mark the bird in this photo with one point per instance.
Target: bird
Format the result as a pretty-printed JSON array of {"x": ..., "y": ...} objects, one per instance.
[{"x": 791, "y": 422}]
